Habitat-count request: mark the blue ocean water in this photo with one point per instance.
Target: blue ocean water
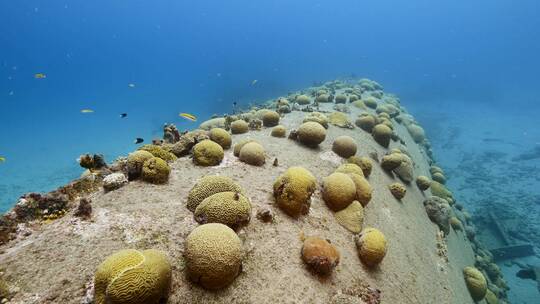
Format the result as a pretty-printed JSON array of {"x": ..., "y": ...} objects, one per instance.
[{"x": 467, "y": 69}]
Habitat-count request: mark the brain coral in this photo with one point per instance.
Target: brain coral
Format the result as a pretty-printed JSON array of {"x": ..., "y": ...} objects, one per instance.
[
  {"x": 366, "y": 122},
  {"x": 397, "y": 190},
  {"x": 405, "y": 168},
  {"x": 371, "y": 245},
  {"x": 351, "y": 217},
  {"x": 293, "y": 190},
  {"x": 456, "y": 223},
  {"x": 363, "y": 188},
  {"x": 340, "y": 98},
  {"x": 209, "y": 185},
  {"x": 239, "y": 127},
  {"x": 438, "y": 189},
  {"x": 132, "y": 276},
  {"x": 317, "y": 117},
  {"x": 221, "y": 137},
  {"x": 320, "y": 255},
  {"x": 213, "y": 123},
  {"x": 229, "y": 208},
  {"x": 344, "y": 146},
  {"x": 279, "y": 131},
  {"x": 252, "y": 153},
  {"x": 213, "y": 254},
  {"x": 339, "y": 191},
  {"x": 359, "y": 104},
  {"x": 439, "y": 177},
  {"x": 302, "y": 100},
  {"x": 311, "y": 133},
  {"x": 476, "y": 283},
  {"x": 363, "y": 162},
  {"x": 423, "y": 182},
  {"x": 391, "y": 161},
  {"x": 341, "y": 120},
  {"x": 417, "y": 133},
  {"x": 135, "y": 163},
  {"x": 350, "y": 168},
  {"x": 240, "y": 145},
  {"x": 322, "y": 98},
  {"x": 207, "y": 153},
  {"x": 370, "y": 102},
  {"x": 270, "y": 119},
  {"x": 156, "y": 171},
  {"x": 382, "y": 134},
  {"x": 158, "y": 151}
]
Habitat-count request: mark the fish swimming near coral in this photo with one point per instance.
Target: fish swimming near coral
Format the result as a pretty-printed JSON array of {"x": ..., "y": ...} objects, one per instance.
[
  {"x": 87, "y": 111},
  {"x": 123, "y": 115},
  {"x": 40, "y": 76},
  {"x": 138, "y": 140},
  {"x": 2, "y": 159},
  {"x": 188, "y": 116}
]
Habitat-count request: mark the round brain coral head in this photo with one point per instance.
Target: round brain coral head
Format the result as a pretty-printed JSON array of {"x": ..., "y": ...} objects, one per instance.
[
  {"x": 439, "y": 177},
  {"x": 302, "y": 100},
  {"x": 252, "y": 153},
  {"x": 158, "y": 151},
  {"x": 156, "y": 171},
  {"x": 311, "y": 134},
  {"x": 351, "y": 217},
  {"x": 229, "y": 208},
  {"x": 363, "y": 188},
  {"x": 239, "y": 127},
  {"x": 391, "y": 161},
  {"x": 350, "y": 168},
  {"x": 382, "y": 134},
  {"x": 209, "y": 185},
  {"x": 240, "y": 145},
  {"x": 213, "y": 254},
  {"x": 135, "y": 163},
  {"x": 279, "y": 131},
  {"x": 371, "y": 245},
  {"x": 270, "y": 119},
  {"x": 207, "y": 153},
  {"x": 338, "y": 191},
  {"x": 344, "y": 146},
  {"x": 322, "y": 98},
  {"x": 366, "y": 122},
  {"x": 133, "y": 276},
  {"x": 456, "y": 223},
  {"x": 340, "y": 98},
  {"x": 363, "y": 162},
  {"x": 221, "y": 137},
  {"x": 321, "y": 256},
  {"x": 423, "y": 182},
  {"x": 370, "y": 102},
  {"x": 293, "y": 191},
  {"x": 476, "y": 283},
  {"x": 397, "y": 190}
]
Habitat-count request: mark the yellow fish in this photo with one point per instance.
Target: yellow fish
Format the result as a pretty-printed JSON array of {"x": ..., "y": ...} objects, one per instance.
[
  {"x": 87, "y": 111},
  {"x": 188, "y": 116},
  {"x": 2, "y": 159},
  {"x": 254, "y": 82},
  {"x": 40, "y": 76}
]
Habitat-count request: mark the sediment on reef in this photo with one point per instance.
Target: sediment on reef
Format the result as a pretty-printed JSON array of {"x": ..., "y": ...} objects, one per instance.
[{"x": 327, "y": 195}]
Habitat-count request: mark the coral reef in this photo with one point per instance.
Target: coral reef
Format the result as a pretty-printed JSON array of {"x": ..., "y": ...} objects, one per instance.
[
  {"x": 363, "y": 188},
  {"x": 363, "y": 162},
  {"x": 476, "y": 283},
  {"x": 156, "y": 171},
  {"x": 229, "y": 208},
  {"x": 135, "y": 163},
  {"x": 187, "y": 141},
  {"x": 279, "y": 131},
  {"x": 351, "y": 217},
  {"x": 270, "y": 119},
  {"x": 293, "y": 190},
  {"x": 207, "y": 153},
  {"x": 397, "y": 190},
  {"x": 210, "y": 185},
  {"x": 438, "y": 212},
  {"x": 213, "y": 254},
  {"x": 344, "y": 146},
  {"x": 339, "y": 191},
  {"x": 382, "y": 134},
  {"x": 341, "y": 120},
  {"x": 252, "y": 153},
  {"x": 92, "y": 162},
  {"x": 158, "y": 151},
  {"x": 171, "y": 134},
  {"x": 239, "y": 127},
  {"x": 133, "y": 276},
  {"x": 221, "y": 137},
  {"x": 371, "y": 245},
  {"x": 311, "y": 134},
  {"x": 321, "y": 256}
]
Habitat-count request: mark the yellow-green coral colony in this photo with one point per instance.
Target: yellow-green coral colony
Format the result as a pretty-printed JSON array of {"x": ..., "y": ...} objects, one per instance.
[
  {"x": 311, "y": 134},
  {"x": 371, "y": 245},
  {"x": 209, "y": 185},
  {"x": 207, "y": 153},
  {"x": 252, "y": 153},
  {"x": 344, "y": 146},
  {"x": 230, "y": 208},
  {"x": 293, "y": 190},
  {"x": 156, "y": 171},
  {"x": 476, "y": 283},
  {"x": 133, "y": 276},
  {"x": 221, "y": 137},
  {"x": 338, "y": 191}
]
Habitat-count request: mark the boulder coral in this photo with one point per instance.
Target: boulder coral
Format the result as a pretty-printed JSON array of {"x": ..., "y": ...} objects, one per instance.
[
  {"x": 344, "y": 146},
  {"x": 456, "y": 223},
  {"x": 417, "y": 133},
  {"x": 135, "y": 162},
  {"x": 293, "y": 190},
  {"x": 363, "y": 162},
  {"x": 340, "y": 98},
  {"x": 405, "y": 170},
  {"x": 207, "y": 153},
  {"x": 302, "y": 100},
  {"x": 351, "y": 217},
  {"x": 341, "y": 120},
  {"x": 370, "y": 101},
  {"x": 397, "y": 190},
  {"x": 311, "y": 134},
  {"x": 210, "y": 185},
  {"x": 339, "y": 191},
  {"x": 270, "y": 119},
  {"x": 240, "y": 145},
  {"x": 382, "y": 134},
  {"x": 239, "y": 127},
  {"x": 438, "y": 189},
  {"x": 252, "y": 153},
  {"x": 279, "y": 131},
  {"x": 213, "y": 254},
  {"x": 423, "y": 182},
  {"x": 218, "y": 122},
  {"x": 350, "y": 168},
  {"x": 158, "y": 151},
  {"x": 229, "y": 208},
  {"x": 371, "y": 245},
  {"x": 439, "y": 177},
  {"x": 321, "y": 256},
  {"x": 221, "y": 137},
  {"x": 322, "y": 98},
  {"x": 366, "y": 122},
  {"x": 133, "y": 276},
  {"x": 317, "y": 117},
  {"x": 438, "y": 212},
  {"x": 391, "y": 161},
  {"x": 156, "y": 171},
  {"x": 476, "y": 283}
]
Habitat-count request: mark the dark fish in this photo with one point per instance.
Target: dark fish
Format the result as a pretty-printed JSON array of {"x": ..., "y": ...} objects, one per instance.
[
  {"x": 123, "y": 115},
  {"x": 139, "y": 140},
  {"x": 526, "y": 274}
]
